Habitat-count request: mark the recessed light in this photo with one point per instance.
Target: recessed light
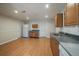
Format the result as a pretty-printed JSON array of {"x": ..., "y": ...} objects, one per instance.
[
  {"x": 27, "y": 18},
  {"x": 15, "y": 11},
  {"x": 47, "y": 5},
  {"x": 46, "y": 16}
]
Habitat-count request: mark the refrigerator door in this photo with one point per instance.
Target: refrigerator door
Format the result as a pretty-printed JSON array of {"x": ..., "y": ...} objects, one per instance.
[{"x": 25, "y": 30}]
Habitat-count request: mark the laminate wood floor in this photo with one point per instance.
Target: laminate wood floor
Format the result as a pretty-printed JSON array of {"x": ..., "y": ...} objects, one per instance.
[{"x": 27, "y": 47}]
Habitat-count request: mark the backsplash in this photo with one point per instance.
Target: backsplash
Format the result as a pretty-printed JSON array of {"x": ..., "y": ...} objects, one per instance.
[{"x": 71, "y": 29}]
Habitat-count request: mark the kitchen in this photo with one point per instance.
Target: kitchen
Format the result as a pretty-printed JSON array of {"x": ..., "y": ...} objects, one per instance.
[
  {"x": 58, "y": 23},
  {"x": 67, "y": 27}
]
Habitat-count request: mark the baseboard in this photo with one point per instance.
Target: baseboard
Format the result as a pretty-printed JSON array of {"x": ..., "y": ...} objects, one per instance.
[{"x": 9, "y": 41}]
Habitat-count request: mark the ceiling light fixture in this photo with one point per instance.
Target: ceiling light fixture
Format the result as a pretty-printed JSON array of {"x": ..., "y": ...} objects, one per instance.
[
  {"x": 47, "y": 5},
  {"x": 15, "y": 11}
]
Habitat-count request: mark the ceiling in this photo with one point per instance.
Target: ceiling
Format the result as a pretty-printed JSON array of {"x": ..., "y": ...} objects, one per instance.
[{"x": 31, "y": 10}]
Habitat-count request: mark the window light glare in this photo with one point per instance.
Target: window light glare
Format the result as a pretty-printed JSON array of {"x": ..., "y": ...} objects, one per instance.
[
  {"x": 70, "y": 4},
  {"x": 46, "y": 16}
]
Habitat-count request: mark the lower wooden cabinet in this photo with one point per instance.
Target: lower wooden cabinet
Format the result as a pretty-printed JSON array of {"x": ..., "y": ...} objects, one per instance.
[
  {"x": 34, "y": 34},
  {"x": 54, "y": 44}
]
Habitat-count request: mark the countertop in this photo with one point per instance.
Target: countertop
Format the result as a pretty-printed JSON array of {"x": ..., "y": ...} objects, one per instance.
[{"x": 69, "y": 43}]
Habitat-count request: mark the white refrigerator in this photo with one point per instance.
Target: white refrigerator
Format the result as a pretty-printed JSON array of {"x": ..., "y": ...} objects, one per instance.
[{"x": 25, "y": 30}]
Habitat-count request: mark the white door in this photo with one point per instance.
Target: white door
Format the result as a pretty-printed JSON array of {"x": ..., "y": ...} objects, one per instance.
[{"x": 25, "y": 30}]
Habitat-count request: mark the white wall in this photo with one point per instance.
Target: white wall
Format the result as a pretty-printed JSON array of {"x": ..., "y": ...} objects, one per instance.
[
  {"x": 10, "y": 29},
  {"x": 45, "y": 26}
]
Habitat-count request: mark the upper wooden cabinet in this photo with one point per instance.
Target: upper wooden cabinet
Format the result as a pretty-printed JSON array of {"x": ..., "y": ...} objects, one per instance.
[
  {"x": 71, "y": 13},
  {"x": 59, "y": 20}
]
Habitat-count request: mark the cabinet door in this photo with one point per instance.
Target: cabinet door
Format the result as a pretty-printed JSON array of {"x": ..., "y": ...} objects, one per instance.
[
  {"x": 54, "y": 44},
  {"x": 59, "y": 20},
  {"x": 77, "y": 12},
  {"x": 71, "y": 15}
]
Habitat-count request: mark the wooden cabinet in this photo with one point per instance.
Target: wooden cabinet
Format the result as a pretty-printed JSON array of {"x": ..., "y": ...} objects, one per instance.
[
  {"x": 34, "y": 34},
  {"x": 71, "y": 14},
  {"x": 54, "y": 44},
  {"x": 59, "y": 20},
  {"x": 77, "y": 12}
]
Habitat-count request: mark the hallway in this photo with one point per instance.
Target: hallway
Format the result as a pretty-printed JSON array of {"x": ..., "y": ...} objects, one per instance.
[{"x": 27, "y": 47}]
